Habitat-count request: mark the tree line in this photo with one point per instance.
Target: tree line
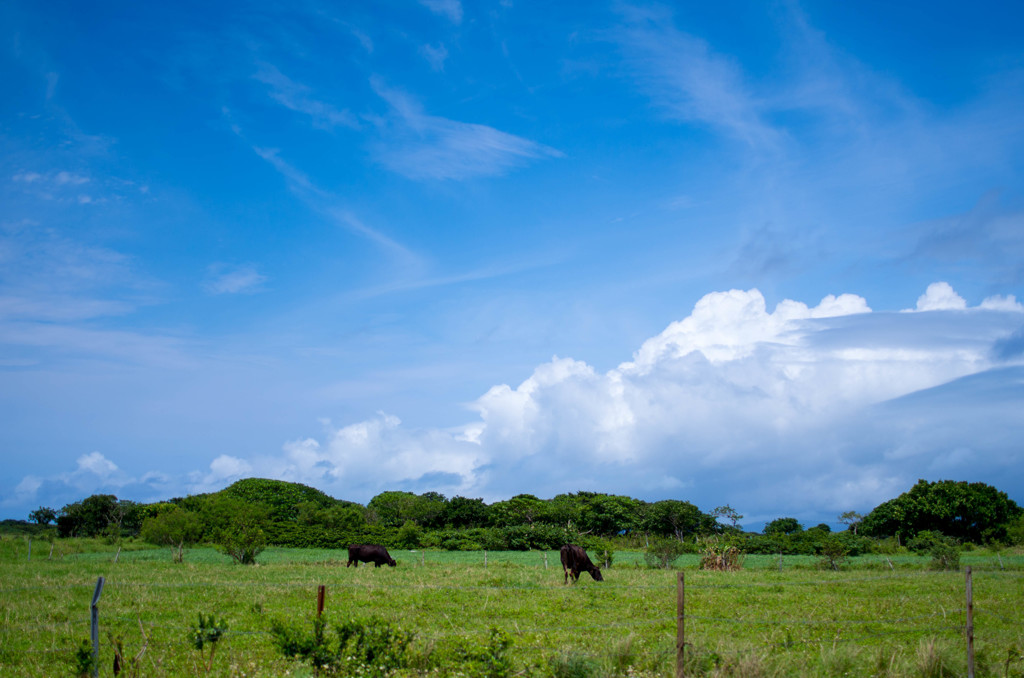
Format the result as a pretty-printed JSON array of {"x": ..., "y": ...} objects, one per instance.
[{"x": 253, "y": 513}]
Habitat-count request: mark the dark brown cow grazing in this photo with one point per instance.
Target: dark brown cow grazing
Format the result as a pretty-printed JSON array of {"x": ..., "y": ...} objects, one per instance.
[
  {"x": 575, "y": 561},
  {"x": 369, "y": 553}
]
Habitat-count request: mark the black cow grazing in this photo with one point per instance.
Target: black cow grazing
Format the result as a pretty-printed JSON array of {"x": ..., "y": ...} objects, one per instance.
[
  {"x": 369, "y": 553},
  {"x": 575, "y": 561}
]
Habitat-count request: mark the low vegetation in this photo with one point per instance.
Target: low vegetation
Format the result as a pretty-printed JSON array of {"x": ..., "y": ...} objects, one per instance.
[{"x": 447, "y": 614}]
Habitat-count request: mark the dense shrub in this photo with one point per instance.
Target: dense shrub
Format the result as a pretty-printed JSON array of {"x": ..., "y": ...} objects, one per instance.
[{"x": 663, "y": 552}]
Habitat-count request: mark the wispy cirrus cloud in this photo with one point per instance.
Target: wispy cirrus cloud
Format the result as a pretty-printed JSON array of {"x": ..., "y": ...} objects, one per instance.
[
  {"x": 425, "y": 147},
  {"x": 224, "y": 279},
  {"x": 300, "y": 98},
  {"x": 435, "y": 56},
  {"x": 325, "y": 202},
  {"x": 688, "y": 80},
  {"x": 450, "y": 9}
]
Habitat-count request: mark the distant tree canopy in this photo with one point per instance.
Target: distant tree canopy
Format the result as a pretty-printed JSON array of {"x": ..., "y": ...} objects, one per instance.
[
  {"x": 253, "y": 513},
  {"x": 973, "y": 512},
  {"x": 280, "y": 499},
  {"x": 783, "y": 526},
  {"x": 97, "y": 514},
  {"x": 43, "y": 515}
]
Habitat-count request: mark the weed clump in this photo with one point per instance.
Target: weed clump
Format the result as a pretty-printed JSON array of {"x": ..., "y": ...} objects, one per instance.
[{"x": 720, "y": 555}]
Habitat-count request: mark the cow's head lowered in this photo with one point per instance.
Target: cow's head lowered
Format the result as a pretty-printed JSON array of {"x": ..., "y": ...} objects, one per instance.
[{"x": 595, "y": 572}]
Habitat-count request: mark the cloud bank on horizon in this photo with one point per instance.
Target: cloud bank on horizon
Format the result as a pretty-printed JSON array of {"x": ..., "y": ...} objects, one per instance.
[{"x": 805, "y": 411}]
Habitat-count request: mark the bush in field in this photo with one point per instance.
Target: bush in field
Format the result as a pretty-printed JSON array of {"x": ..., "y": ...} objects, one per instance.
[
  {"x": 602, "y": 551},
  {"x": 833, "y": 553},
  {"x": 237, "y": 527},
  {"x": 177, "y": 528},
  {"x": 663, "y": 552},
  {"x": 574, "y": 666},
  {"x": 1015, "y": 532},
  {"x": 467, "y": 657},
  {"x": 925, "y": 541},
  {"x": 945, "y": 557},
  {"x": 361, "y": 648},
  {"x": 83, "y": 660}
]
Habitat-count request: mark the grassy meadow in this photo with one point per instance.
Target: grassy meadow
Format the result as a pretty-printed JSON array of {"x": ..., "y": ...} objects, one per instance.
[{"x": 875, "y": 617}]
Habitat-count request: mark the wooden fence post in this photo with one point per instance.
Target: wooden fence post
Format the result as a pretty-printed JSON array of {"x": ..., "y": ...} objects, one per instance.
[
  {"x": 680, "y": 626},
  {"x": 485, "y": 558},
  {"x": 30, "y": 548},
  {"x": 545, "y": 560},
  {"x": 96, "y": 627},
  {"x": 320, "y": 592},
  {"x": 970, "y": 624}
]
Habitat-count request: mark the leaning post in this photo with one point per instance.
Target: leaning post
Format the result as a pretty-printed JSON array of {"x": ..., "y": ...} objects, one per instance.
[
  {"x": 970, "y": 623},
  {"x": 680, "y": 625},
  {"x": 95, "y": 610}
]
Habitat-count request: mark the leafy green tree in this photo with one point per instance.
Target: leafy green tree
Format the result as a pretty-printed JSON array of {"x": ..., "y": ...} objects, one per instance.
[
  {"x": 973, "y": 512},
  {"x": 393, "y": 508},
  {"x": 522, "y": 509},
  {"x": 727, "y": 513},
  {"x": 851, "y": 519},
  {"x": 428, "y": 510},
  {"x": 86, "y": 518},
  {"x": 176, "y": 528},
  {"x": 608, "y": 514},
  {"x": 338, "y": 518},
  {"x": 786, "y": 526},
  {"x": 279, "y": 498},
  {"x": 463, "y": 512},
  {"x": 43, "y": 515},
  {"x": 678, "y": 518},
  {"x": 565, "y": 509}
]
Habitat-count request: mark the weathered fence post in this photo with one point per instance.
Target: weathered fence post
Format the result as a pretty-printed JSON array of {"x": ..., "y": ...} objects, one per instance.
[
  {"x": 485, "y": 558},
  {"x": 30, "y": 548},
  {"x": 970, "y": 624},
  {"x": 96, "y": 627},
  {"x": 320, "y": 592},
  {"x": 545, "y": 560},
  {"x": 680, "y": 626}
]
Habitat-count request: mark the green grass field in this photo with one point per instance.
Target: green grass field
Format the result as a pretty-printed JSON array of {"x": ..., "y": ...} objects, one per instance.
[{"x": 868, "y": 619}]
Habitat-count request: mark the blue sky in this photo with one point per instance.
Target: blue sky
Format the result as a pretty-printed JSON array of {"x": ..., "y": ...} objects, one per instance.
[{"x": 771, "y": 257}]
